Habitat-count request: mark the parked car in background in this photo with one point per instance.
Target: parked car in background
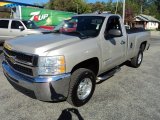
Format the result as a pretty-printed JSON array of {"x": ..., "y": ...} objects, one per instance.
[
  {"x": 11, "y": 28},
  {"x": 69, "y": 26},
  {"x": 127, "y": 26},
  {"x": 50, "y": 28}
]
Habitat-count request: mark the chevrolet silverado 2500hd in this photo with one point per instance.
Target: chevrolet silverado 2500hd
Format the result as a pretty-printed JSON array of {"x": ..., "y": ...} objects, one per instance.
[{"x": 65, "y": 65}]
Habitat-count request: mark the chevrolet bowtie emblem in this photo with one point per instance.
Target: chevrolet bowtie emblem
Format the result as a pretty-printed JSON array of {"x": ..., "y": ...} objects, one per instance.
[
  {"x": 12, "y": 59},
  {"x": 7, "y": 46}
]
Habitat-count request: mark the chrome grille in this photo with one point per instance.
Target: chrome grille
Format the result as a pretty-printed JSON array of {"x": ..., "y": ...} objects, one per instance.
[
  {"x": 22, "y": 63},
  {"x": 31, "y": 60},
  {"x": 19, "y": 68}
]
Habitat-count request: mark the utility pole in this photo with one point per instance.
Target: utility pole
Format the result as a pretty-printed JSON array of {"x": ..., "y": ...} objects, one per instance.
[
  {"x": 124, "y": 3},
  {"x": 76, "y": 6},
  {"x": 141, "y": 9}
]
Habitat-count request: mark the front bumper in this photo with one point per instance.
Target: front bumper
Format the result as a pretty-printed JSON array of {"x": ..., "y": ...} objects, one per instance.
[{"x": 45, "y": 88}]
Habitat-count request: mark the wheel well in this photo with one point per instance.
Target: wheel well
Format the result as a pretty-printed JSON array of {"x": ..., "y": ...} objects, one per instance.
[
  {"x": 92, "y": 64},
  {"x": 143, "y": 45}
]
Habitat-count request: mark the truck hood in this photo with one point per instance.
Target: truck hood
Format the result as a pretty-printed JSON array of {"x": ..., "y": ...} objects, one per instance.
[{"x": 40, "y": 44}]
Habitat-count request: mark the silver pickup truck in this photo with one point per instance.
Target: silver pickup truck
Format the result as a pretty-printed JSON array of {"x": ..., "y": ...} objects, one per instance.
[
  {"x": 65, "y": 65},
  {"x": 11, "y": 28}
]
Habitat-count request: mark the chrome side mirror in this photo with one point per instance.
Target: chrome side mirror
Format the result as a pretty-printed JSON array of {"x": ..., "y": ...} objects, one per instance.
[{"x": 21, "y": 28}]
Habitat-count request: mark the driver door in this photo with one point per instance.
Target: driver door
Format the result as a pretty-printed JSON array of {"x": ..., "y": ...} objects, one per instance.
[{"x": 113, "y": 47}]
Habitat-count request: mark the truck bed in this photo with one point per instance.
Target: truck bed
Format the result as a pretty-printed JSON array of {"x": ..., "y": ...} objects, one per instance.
[
  {"x": 135, "y": 35},
  {"x": 135, "y": 30}
]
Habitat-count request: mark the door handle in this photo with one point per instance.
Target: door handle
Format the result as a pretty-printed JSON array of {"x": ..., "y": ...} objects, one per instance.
[{"x": 122, "y": 42}]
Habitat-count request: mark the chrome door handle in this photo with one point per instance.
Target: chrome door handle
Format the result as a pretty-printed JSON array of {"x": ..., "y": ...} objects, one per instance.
[{"x": 122, "y": 42}]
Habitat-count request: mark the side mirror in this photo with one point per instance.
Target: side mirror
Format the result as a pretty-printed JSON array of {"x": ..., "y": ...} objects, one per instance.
[
  {"x": 115, "y": 33},
  {"x": 21, "y": 28}
]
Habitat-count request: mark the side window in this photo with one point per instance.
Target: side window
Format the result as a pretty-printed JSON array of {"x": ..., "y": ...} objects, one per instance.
[
  {"x": 16, "y": 24},
  {"x": 113, "y": 25},
  {"x": 4, "y": 23}
]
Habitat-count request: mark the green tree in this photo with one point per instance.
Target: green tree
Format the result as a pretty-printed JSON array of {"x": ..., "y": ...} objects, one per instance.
[
  {"x": 98, "y": 6},
  {"x": 4, "y": 15},
  {"x": 133, "y": 7},
  {"x": 157, "y": 3},
  {"x": 4, "y": 12},
  {"x": 79, "y": 6}
]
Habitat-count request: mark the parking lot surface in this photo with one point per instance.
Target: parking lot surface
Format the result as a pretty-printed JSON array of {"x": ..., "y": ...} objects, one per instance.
[{"x": 131, "y": 94}]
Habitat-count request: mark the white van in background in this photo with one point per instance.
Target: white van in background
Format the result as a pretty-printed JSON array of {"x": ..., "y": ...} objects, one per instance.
[{"x": 11, "y": 28}]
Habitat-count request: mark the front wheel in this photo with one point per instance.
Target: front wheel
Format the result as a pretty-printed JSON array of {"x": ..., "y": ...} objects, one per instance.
[
  {"x": 137, "y": 60},
  {"x": 82, "y": 86}
]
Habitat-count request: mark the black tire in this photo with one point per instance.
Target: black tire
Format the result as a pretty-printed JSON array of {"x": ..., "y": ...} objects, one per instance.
[
  {"x": 77, "y": 77},
  {"x": 135, "y": 61}
]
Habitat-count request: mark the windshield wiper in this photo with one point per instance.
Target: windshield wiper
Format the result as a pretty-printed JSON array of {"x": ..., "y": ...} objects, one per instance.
[
  {"x": 48, "y": 32},
  {"x": 85, "y": 37},
  {"x": 82, "y": 35},
  {"x": 55, "y": 31}
]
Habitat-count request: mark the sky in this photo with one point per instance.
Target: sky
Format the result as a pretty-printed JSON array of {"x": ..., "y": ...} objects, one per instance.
[
  {"x": 30, "y": 1},
  {"x": 44, "y": 1}
]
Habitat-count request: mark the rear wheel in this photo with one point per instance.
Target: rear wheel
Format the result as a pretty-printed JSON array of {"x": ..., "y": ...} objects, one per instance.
[
  {"x": 137, "y": 60},
  {"x": 82, "y": 86}
]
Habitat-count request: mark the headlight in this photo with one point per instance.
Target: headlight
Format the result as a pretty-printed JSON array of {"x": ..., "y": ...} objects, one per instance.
[
  {"x": 65, "y": 26},
  {"x": 51, "y": 65}
]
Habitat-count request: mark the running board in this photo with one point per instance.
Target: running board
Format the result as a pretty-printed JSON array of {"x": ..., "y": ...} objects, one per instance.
[{"x": 108, "y": 74}]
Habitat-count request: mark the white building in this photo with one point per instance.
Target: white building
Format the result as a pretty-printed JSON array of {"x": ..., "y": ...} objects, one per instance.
[{"x": 146, "y": 21}]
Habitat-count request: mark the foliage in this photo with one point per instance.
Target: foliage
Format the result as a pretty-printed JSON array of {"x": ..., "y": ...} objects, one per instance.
[
  {"x": 133, "y": 7},
  {"x": 79, "y": 6},
  {"x": 4, "y": 15},
  {"x": 98, "y": 6}
]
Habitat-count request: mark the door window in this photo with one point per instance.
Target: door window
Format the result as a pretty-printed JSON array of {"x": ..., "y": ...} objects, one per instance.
[
  {"x": 16, "y": 24},
  {"x": 4, "y": 23},
  {"x": 113, "y": 24}
]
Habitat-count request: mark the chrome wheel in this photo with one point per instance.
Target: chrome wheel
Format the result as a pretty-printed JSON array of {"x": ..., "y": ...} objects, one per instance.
[
  {"x": 84, "y": 88},
  {"x": 139, "y": 58}
]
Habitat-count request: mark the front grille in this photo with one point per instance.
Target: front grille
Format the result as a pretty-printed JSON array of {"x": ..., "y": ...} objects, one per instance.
[
  {"x": 21, "y": 62},
  {"x": 24, "y": 58},
  {"x": 20, "y": 68}
]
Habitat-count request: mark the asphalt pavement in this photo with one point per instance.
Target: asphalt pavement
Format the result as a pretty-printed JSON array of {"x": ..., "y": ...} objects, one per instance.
[{"x": 131, "y": 94}]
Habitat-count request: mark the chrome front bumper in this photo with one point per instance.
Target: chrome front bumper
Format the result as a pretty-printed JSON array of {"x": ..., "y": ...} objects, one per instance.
[{"x": 45, "y": 88}]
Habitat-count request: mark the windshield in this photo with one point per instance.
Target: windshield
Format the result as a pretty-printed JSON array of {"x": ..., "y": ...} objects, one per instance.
[
  {"x": 30, "y": 24},
  {"x": 82, "y": 26}
]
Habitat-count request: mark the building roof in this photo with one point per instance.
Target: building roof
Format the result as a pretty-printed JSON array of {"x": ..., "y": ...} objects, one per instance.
[{"x": 147, "y": 18}]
